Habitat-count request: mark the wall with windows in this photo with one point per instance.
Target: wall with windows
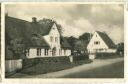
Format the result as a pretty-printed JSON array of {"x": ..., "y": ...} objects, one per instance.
[
  {"x": 53, "y": 38},
  {"x": 37, "y": 52},
  {"x": 32, "y": 53},
  {"x": 40, "y": 52}
]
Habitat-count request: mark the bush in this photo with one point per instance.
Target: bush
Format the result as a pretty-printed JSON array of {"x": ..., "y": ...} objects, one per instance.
[
  {"x": 106, "y": 55},
  {"x": 30, "y": 62},
  {"x": 54, "y": 59},
  {"x": 34, "y": 61},
  {"x": 43, "y": 68},
  {"x": 80, "y": 57}
]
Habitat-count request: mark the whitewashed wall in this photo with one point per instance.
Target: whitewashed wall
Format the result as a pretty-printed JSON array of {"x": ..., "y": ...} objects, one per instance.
[
  {"x": 92, "y": 47},
  {"x": 54, "y": 33},
  {"x": 42, "y": 52},
  {"x": 13, "y": 65},
  {"x": 91, "y": 44},
  {"x": 68, "y": 52},
  {"x": 111, "y": 50},
  {"x": 32, "y": 53}
]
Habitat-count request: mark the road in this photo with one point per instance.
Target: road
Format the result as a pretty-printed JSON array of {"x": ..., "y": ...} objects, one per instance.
[
  {"x": 114, "y": 70},
  {"x": 105, "y": 68}
]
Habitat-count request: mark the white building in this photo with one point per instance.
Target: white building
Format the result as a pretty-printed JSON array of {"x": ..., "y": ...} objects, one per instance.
[
  {"x": 50, "y": 44},
  {"x": 101, "y": 43}
]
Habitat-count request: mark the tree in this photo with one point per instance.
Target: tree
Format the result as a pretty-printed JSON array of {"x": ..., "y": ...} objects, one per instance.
[
  {"x": 120, "y": 48},
  {"x": 18, "y": 48},
  {"x": 81, "y": 46},
  {"x": 85, "y": 37},
  {"x": 72, "y": 41}
]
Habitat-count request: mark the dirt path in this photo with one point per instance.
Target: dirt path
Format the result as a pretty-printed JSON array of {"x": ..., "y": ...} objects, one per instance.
[{"x": 86, "y": 67}]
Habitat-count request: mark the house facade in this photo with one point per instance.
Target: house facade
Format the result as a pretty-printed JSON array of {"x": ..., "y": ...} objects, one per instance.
[
  {"x": 52, "y": 45},
  {"x": 101, "y": 43}
]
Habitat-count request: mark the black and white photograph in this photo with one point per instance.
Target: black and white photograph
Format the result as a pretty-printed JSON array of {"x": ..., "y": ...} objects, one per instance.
[
  {"x": 0, "y": 41},
  {"x": 62, "y": 40}
]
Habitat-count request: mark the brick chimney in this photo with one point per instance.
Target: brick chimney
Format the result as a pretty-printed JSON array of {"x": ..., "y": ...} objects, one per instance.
[{"x": 34, "y": 19}]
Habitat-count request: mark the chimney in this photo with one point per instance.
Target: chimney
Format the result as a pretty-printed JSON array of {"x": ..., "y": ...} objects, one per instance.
[{"x": 34, "y": 19}]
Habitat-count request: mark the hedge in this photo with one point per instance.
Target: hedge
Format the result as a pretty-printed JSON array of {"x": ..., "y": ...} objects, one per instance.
[
  {"x": 106, "y": 55},
  {"x": 34, "y": 61},
  {"x": 77, "y": 58}
]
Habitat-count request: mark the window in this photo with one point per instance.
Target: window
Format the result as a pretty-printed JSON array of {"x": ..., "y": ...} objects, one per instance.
[
  {"x": 51, "y": 39},
  {"x": 27, "y": 52},
  {"x": 53, "y": 28},
  {"x": 56, "y": 39},
  {"x": 96, "y": 42},
  {"x": 38, "y": 51},
  {"x": 46, "y": 52},
  {"x": 64, "y": 52},
  {"x": 60, "y": 51}
]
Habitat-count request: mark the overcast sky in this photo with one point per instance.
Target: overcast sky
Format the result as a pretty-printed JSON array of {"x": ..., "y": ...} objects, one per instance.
[{"x": 76, "y": 19}]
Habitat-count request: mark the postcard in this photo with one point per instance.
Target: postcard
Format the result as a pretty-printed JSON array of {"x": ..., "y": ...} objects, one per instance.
[{"x": 63, "y": 41}]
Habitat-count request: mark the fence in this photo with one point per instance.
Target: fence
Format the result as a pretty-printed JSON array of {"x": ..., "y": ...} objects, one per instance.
[{"x": 13, "y": 65}]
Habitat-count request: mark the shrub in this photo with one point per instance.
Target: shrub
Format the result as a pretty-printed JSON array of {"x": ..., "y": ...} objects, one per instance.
[
  {"x": 106, "y": 55},
  {"x": 43, "y": 68},
  {"x": 34, "y": 61},
  {"x": 80, "y": 57}
]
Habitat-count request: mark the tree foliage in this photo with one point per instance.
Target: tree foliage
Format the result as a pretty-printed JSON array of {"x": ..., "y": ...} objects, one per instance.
[
  {"x": 72, "y": 41},
  {"x": 85, "y": 37},
  {"x": 81, "y": 44},
  {"x": 120, "y": 48},
  {"x": 17, "y": 47}
]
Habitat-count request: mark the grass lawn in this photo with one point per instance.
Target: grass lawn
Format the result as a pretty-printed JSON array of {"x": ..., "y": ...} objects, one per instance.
[
  {"x": 115, "y": 70},
  {"x": 42, "y": 68}
]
